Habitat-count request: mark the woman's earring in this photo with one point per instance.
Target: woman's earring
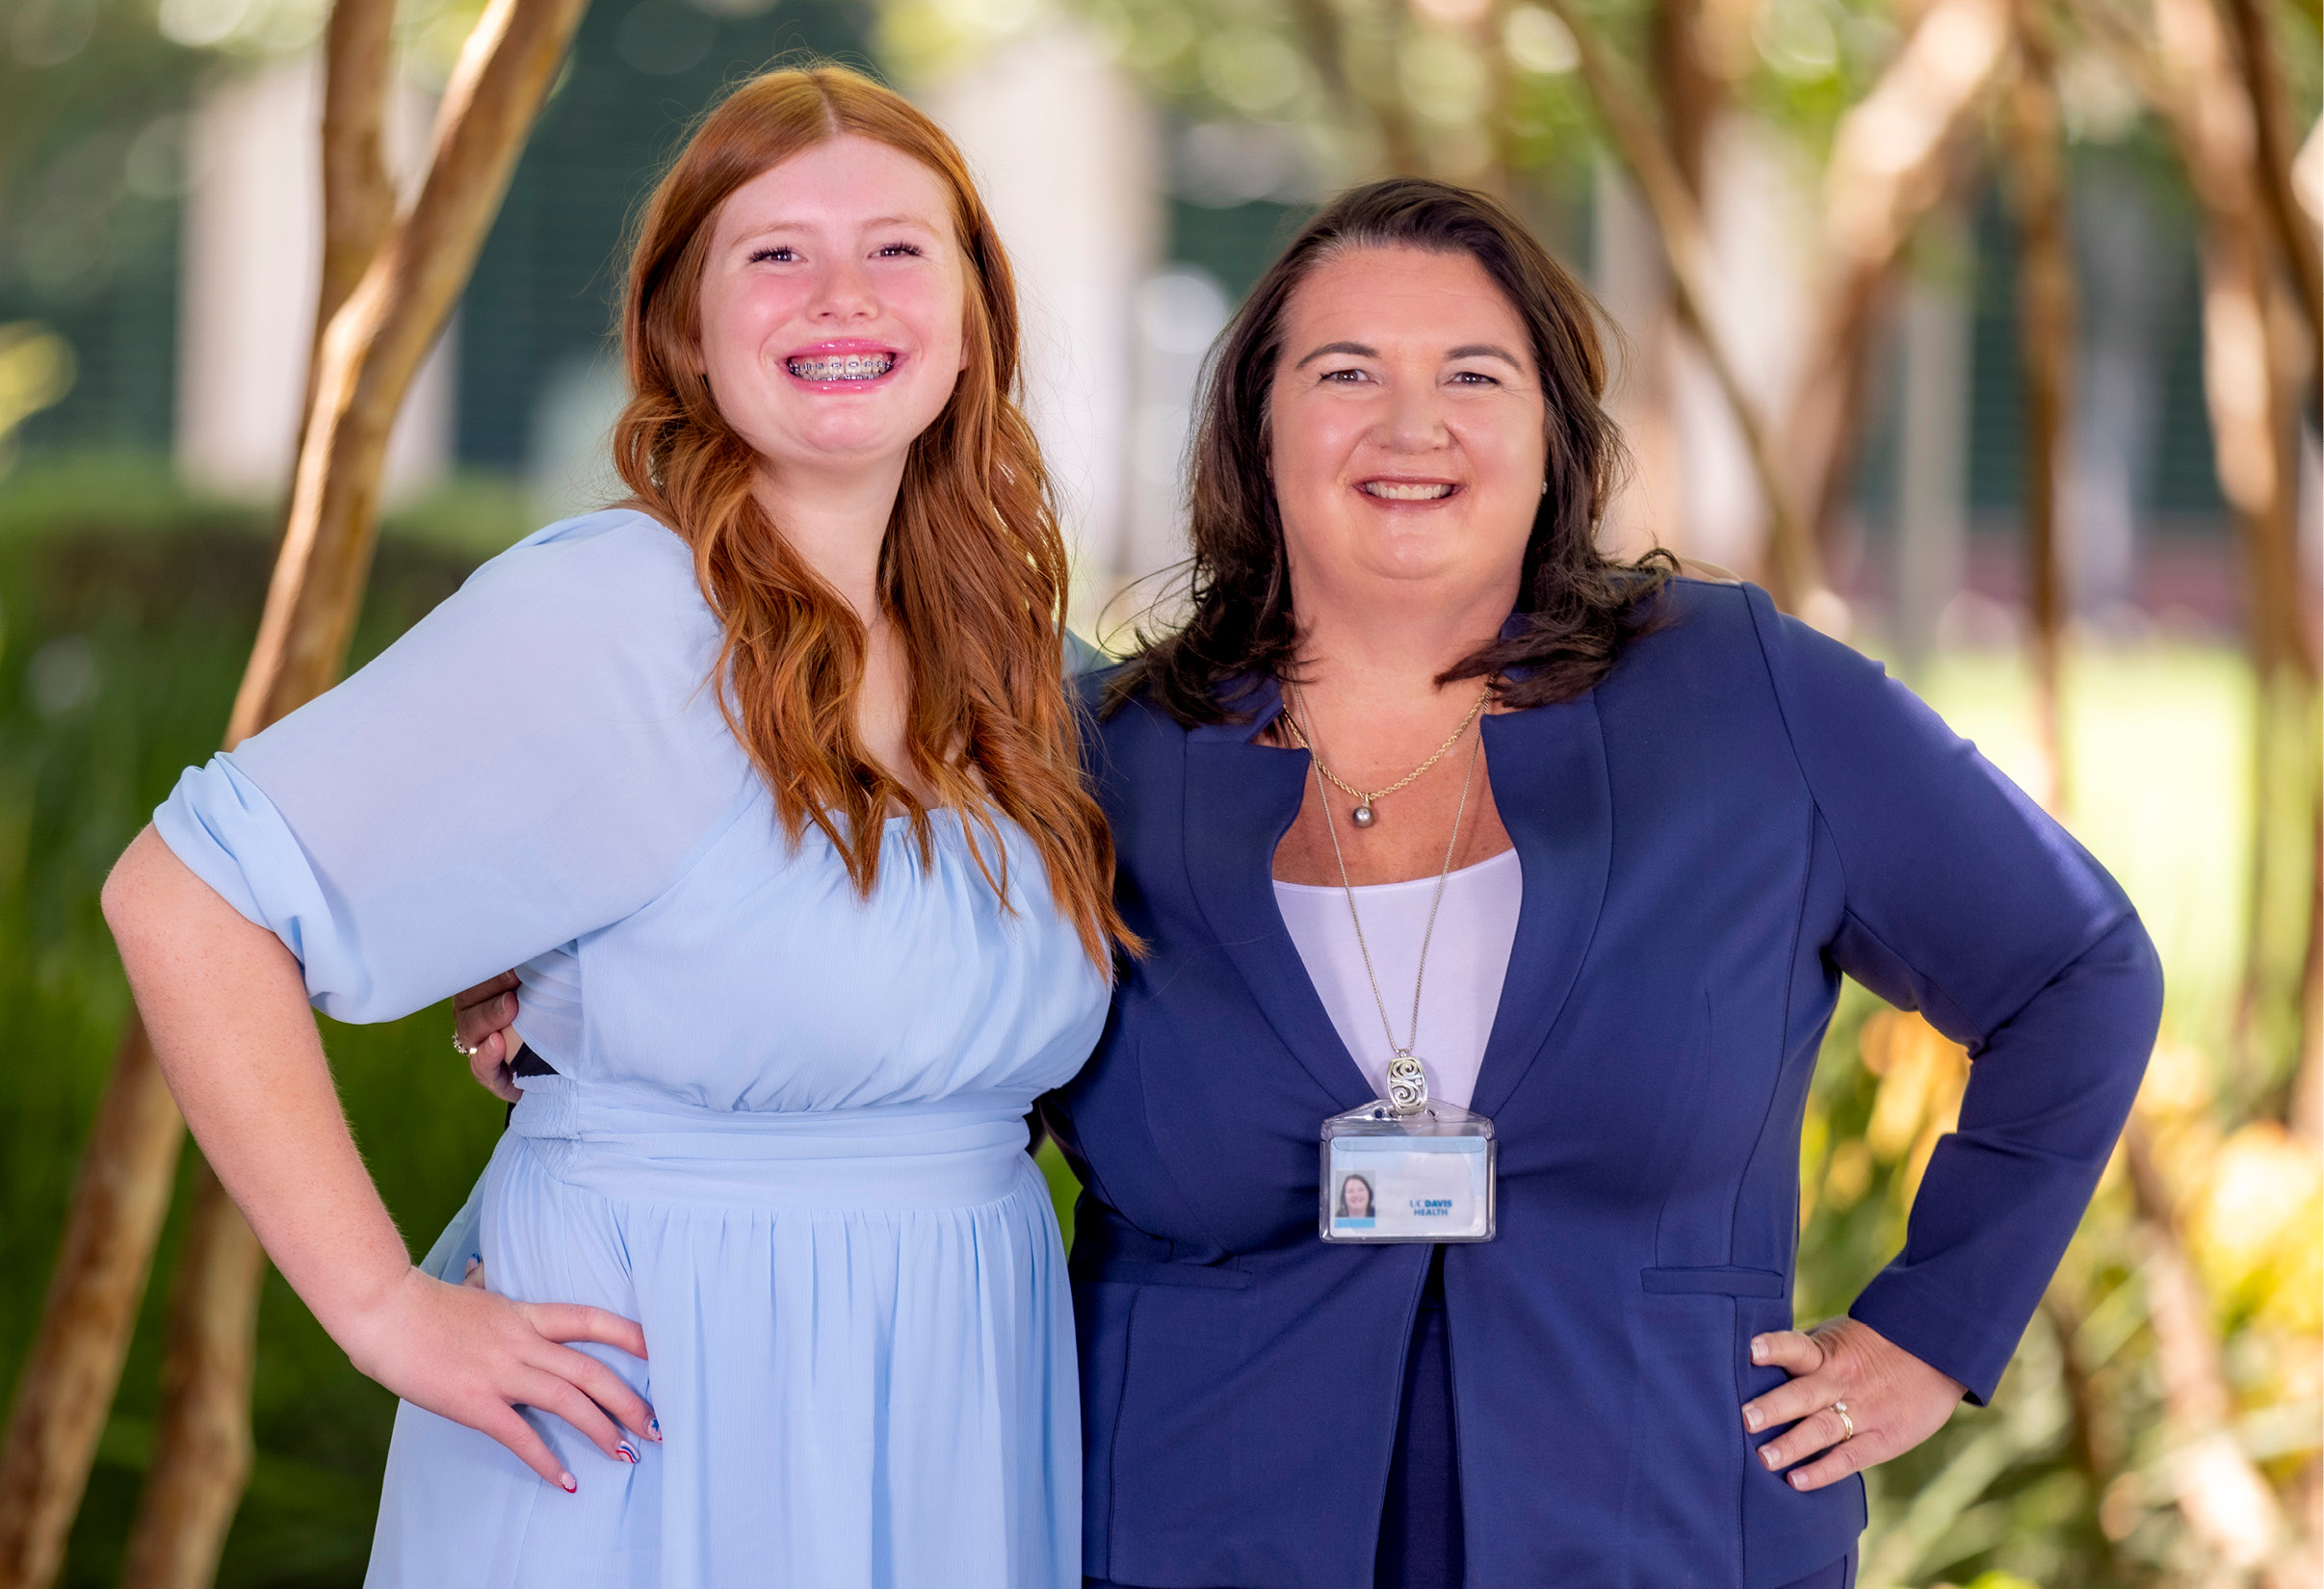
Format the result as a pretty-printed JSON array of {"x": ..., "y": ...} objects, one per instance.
[{"x": 1545, "y": 487}]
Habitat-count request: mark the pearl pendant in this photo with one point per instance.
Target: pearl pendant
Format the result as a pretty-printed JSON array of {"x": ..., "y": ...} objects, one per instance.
[{"x": 1363, "y": 817}]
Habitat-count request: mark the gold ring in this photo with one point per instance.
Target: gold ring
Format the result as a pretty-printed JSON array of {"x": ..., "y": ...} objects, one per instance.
[{"x": 1846, "y": 1424}]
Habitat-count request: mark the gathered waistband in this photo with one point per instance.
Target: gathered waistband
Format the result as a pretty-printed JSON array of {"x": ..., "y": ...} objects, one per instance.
[{"x": 941, "y": 1153}]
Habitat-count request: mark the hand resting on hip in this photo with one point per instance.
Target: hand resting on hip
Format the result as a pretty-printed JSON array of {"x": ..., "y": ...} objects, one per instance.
[{"x": 1894, "y": 1401}]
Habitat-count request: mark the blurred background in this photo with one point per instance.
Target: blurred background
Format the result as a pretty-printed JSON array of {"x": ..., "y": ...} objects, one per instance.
[{"x": 2003, "y": 308}]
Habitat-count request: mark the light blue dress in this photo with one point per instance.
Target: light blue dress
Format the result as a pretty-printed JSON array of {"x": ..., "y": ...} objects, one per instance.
[{"x": 788, "y": 1133}]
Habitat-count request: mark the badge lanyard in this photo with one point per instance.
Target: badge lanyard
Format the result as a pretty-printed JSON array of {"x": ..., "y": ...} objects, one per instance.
[{"x": 1404, "y": 1168}]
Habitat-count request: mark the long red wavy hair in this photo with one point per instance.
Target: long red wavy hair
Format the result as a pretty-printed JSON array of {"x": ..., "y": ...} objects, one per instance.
[{"x": 973, "y": 572}]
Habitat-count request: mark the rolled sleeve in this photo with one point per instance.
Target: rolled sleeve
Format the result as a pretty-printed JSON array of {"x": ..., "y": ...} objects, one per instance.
[
  {"x": 227, "y": 831},
  {"x": 537, "y": 758}
]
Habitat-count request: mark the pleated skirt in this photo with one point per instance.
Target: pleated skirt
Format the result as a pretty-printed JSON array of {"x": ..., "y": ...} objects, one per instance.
[{"x": 861, "y": 1354}]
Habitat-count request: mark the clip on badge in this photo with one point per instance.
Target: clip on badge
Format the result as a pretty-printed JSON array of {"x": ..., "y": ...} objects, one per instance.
[{"x": 1405, "y": 1169}]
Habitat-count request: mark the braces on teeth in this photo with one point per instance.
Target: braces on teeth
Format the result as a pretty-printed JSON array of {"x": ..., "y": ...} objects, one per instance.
[{"x": 843, "y": 367}]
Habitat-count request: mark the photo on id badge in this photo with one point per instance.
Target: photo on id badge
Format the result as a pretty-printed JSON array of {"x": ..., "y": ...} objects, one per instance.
[{"x": 1407, "y": 1183}]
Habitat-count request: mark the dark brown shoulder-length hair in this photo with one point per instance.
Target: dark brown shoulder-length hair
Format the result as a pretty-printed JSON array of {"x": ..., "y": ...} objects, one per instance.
[
  {"x": 1577, "y": 605},
  {"x": 974, "y": 567}
]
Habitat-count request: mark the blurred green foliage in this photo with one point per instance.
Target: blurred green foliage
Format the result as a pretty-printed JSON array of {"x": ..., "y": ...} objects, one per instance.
[{"x": 127, "y": 612}]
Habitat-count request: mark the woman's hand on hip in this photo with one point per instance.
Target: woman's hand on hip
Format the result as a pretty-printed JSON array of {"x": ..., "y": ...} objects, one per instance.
[
  {"x": 1894, "y": 1400},
  {"x": 475, "y": 1357},
  {"x": 483, "y": 1024}
]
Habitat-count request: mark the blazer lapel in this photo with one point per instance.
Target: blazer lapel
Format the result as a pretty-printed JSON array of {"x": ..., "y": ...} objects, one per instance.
[
  {"x": 1240, "y": 799},
  {"x": 1549, "y": 781}
]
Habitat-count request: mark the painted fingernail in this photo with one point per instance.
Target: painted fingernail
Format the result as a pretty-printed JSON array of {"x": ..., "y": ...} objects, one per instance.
[
  {"x": 1798, "y": 1482},
  {"x": 653, "y": 1428},
  {"x": 1759, "y": 1351},
  {"x": 627, "y": 1451},
  {"x": 1751, "y": 1417},
  {"x": 570, "y": 1488},
  {"x": 1767, "y": 1455}
]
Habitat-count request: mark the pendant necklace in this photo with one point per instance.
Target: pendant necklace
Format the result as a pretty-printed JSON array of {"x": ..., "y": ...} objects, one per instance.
[
  {"x": 1363, "y": 816},
  {"x": 1407, "y": 1080}
]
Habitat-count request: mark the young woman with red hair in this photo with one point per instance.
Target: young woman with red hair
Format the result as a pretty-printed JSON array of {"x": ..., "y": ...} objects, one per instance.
[{"x": 782, "y": 742}]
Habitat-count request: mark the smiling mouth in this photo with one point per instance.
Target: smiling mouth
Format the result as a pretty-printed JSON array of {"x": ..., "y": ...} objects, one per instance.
[
  {"x": 842, "y": 366},
  {"x": 1392, "y": 490}
]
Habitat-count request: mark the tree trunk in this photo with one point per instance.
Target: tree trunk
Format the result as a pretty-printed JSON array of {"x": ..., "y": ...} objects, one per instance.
[
  {"x": 2227, "y": 1502},
  {"x": 119, "y": 1199},
  {"x": 2304, "y": 1111},
  {"x": 2262, "y": 77},
  {"x": 2252, "y": 372},
  {"x": 203, "y": 1450},
  {"x": 202, "y": 1447},
  {"x": 2095, "y": 1442},
  {"x": 376, "y": 343},
  {"x": 379, "y": 332},
  {"x": 1892, "y": 159},
  {"x": 1794, "y": 573},
  {"x": 2045, "y": 325},
  {"x": 358, "y": 196},
  {"x": 2187, "y": 73},
  {"x": 1688, "y": 94},
  {"x": 366, "y": 359}
]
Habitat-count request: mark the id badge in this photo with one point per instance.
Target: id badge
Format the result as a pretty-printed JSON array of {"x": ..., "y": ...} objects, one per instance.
[{"x": 1426, "y": 1176}]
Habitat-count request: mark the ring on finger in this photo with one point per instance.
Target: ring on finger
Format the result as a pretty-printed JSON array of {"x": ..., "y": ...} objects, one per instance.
[
  {"x": 461, "y": 1049},
  {"x": 1848, "y": 1425}
]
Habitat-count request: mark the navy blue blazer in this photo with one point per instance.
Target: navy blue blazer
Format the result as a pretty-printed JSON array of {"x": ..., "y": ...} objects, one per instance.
[{"x": 1739, "y": 813}]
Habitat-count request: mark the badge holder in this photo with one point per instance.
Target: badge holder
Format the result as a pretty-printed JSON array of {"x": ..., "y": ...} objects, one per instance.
[{"x": 1405, "y": 1169}]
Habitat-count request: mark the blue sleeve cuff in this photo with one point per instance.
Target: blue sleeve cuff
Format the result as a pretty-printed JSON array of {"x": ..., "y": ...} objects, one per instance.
[
  {"x": 201, "y": 822},
  {"x": 227, "y": 831}
]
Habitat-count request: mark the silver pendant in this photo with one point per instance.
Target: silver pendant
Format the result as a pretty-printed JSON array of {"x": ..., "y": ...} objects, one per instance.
[
  {"x": 1363, "y": 817},
  {"x": 1407, "y": 1083}
]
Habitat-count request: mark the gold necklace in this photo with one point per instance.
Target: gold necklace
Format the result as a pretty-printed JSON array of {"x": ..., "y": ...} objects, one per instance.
[{"x": 1363, "y": 815}]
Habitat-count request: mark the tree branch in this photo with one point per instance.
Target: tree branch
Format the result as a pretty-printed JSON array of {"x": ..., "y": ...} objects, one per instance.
[
  {"x": 2263, "y": 78},
  {"x": 358, "y": 195},
  {"x": 1892, "y": 163},
  {"x": 1795, "y": 570},
  {"x": 377, "y": 332},
  {"x": 64, "y": 1391},
  {"x": 376, "y": 343},
  {"x": 2046, "y": 316}
]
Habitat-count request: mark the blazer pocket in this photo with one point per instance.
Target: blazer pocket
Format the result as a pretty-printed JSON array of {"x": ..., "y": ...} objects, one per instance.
[
  {"x": 1713, "y": 1280},
  {"x": 1129, "y": 1271}
]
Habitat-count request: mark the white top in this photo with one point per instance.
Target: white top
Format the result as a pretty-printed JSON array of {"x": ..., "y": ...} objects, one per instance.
[{"x": 1468, "y": 958}]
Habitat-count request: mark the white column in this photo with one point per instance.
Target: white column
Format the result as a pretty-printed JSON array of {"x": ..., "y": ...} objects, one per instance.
[
  {"x": 1064, "y": 148},
  {"x": 1178, "y": 313},
  {"x": 1761, "y": 213},
  {"x": 2129, "y": 272},
  {"x": 1631, "y": 282},
  {"x": 253, "y": 254},
  {"x": 1693, "y": 488}
]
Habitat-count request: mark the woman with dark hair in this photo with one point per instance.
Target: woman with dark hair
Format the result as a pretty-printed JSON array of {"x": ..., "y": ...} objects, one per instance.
[
  {"x": 1446, "y": 833},
  {"x": 1424, "y": 776}
]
